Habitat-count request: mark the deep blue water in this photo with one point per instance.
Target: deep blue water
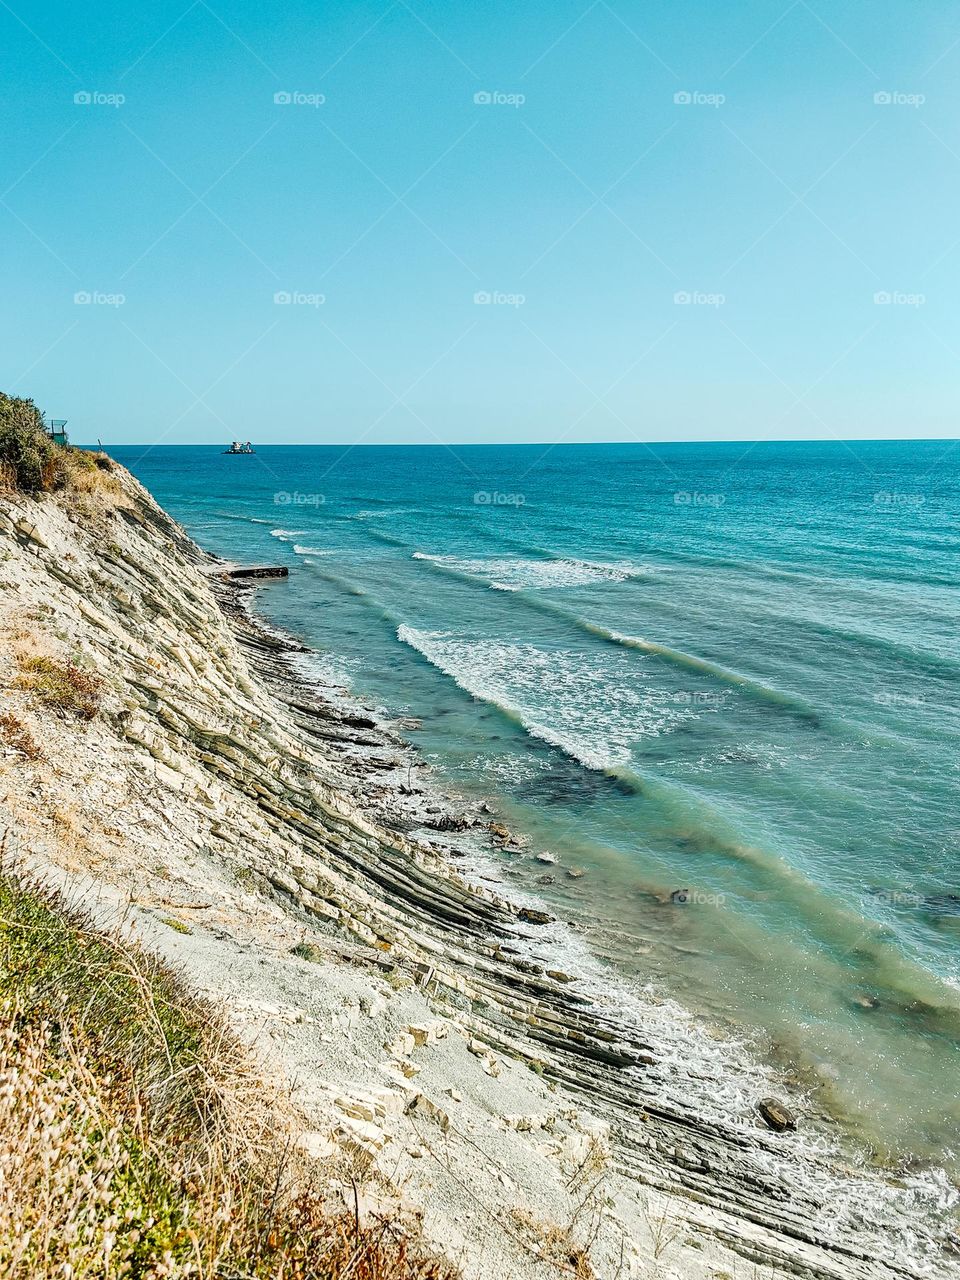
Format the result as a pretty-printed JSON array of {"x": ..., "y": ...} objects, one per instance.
[{"x": 721, "y": 669}]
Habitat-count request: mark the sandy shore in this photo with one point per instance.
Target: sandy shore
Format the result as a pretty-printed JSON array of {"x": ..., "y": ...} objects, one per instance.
[{"x": 441, "y": 1039}]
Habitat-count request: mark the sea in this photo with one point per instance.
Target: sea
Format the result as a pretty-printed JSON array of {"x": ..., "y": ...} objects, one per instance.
[{"x": 720, "y": 680}]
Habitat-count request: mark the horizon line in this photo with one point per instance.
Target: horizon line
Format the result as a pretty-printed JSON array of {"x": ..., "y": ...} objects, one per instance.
[{"x": 513, "y": 444}]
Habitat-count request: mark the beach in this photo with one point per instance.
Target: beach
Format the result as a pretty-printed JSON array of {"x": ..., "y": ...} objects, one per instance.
[{"x": 283, "y": 844}]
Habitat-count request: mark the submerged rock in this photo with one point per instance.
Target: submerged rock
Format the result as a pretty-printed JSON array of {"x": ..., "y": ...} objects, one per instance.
[{"x": 777, "y": 1116}]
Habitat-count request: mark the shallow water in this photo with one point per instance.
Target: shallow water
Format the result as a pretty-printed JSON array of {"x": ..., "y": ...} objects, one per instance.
[{"x": 722, "y": 680}]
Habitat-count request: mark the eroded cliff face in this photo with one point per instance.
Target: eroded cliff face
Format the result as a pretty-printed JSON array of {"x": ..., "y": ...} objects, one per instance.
[{"x": 241, "y": 822}]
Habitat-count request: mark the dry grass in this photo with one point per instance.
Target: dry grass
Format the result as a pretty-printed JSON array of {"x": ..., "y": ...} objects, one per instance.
[
  {"x": 135, "y": 1139},
  {"x": 556, "y": 1245},
  {"x": 88, "y": 472},
  {"x": 59, "y": 685},
  {"x": 16, "y": 735}
]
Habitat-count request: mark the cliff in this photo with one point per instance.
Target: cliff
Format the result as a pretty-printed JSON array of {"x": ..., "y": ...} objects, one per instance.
[{"x": 254, "y": 831}]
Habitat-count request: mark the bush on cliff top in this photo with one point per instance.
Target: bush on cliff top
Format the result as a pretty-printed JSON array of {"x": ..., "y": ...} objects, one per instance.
[
  {"x": 29, "y": 459},
  {"x": 31, "y": 462},
  {"x": 134, "y": 1137}
]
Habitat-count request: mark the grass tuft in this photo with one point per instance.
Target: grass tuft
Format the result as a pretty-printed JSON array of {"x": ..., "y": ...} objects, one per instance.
[
  {"x": 136, "y": 1141},
  {"x": 60, "y": 685},
  {"x": 176, "y": 924}
]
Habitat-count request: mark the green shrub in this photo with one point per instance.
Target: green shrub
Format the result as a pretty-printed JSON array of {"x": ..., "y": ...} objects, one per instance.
[{"x": 29, "y": 459}]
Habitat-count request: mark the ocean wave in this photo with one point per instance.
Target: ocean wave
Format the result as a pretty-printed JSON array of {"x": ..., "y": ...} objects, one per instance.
[
  {"x": 515, "y": 677},
  {"x": 511, "y": 574},
  {"x": 565, "y": 573},
  {"x": 379, "y": 515},
  {"x": 311, "y": 551},
  {"x": 232, "y": 515},
  {"x": 287, "y": 535}
]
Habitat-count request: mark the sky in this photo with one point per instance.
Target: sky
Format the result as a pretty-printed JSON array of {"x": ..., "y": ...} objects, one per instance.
[{"x": 412, "y": 221}]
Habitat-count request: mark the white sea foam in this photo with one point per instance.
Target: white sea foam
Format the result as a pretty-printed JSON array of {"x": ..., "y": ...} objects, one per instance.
[
  {"x": 379, "y": 515},
  {"x": 287, "y": 535},
  {"x": 310, "y": 551},
  {"x": 589, "y": 705},
  {"x": 513, "y": 574}
]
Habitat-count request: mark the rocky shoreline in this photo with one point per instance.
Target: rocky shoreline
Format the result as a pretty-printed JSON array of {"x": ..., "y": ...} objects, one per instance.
[{"x": 341, "y": 911}]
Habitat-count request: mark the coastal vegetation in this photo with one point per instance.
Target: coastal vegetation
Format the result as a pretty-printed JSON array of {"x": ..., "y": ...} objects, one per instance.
[
  {"x": 136, "y": 1138},
  {"x": 32, "y": 462},
  {"x": 61, "y": 686}
]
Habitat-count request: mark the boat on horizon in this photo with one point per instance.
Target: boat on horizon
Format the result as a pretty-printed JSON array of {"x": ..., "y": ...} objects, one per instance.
[{"x": 240, "y": 446}]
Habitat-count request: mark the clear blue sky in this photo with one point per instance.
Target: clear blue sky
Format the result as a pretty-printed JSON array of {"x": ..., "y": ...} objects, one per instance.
[{"x": 596, "y": 199}]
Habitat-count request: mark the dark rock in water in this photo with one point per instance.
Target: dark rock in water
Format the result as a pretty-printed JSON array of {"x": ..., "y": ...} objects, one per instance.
[
  {"x": 866, "y": 1002},
  {"x": 777, "y": 1116},
  {"x": 566, "y": 784},
  {"x": 680, "y": 896},
  {"x": 529, "y": 916},
  {"x": 450, "y": 822},
  {"x": 546, "y": 879}
]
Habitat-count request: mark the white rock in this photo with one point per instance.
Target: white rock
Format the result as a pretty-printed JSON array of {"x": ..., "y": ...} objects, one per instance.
[
  {"x": 422, "y": 1105},
  {"x": 427, "y": 1032},
  {"x": 318, "y": 1146},
  {"x": 401, "y": 1046},
  {"x": 360, "y": 1135}
]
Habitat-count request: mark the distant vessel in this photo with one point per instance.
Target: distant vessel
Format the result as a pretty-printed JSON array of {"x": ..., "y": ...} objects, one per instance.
[{"x": 240, "y": 446}]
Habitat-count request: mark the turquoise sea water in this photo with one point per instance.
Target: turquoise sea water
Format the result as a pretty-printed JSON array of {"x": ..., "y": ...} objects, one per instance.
[{"x": 722, "y": 679}]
